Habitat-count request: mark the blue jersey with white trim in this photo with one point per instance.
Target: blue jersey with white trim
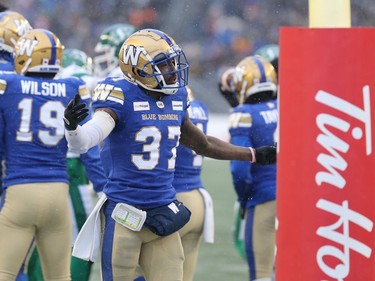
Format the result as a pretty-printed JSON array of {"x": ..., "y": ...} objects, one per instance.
[
  {"x": 32, "y": 110},
  {"x": 189, "y": 164},
  {"x": 254, "y": 125},
  {"x": 139, "y": 154}
]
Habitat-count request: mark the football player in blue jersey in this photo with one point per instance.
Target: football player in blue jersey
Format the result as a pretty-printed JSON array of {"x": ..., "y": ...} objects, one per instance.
[
  {"x": 82, "y": 169},
  {"x": 190, "y": 190},
  {"x": 253, "y": 123},
  {"x": 32, "y": 106},
  {"x": 189, "y": 186},
  {"x": 141, "y": 118},
  {"x": 12, "y": 26},
  {"x": 227, "y": 89}
]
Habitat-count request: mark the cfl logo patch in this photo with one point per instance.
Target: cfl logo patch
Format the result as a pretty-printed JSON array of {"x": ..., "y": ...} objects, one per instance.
[{"x": 131, "y": 54}]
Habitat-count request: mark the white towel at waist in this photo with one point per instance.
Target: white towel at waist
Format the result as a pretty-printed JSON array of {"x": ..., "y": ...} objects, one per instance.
[
  {"x": 209, "y": 226},
  {"x": 87, "y": 244}
]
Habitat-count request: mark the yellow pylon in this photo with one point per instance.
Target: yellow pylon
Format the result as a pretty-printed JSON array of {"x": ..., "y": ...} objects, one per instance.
[{"x": 329, "y": 13}]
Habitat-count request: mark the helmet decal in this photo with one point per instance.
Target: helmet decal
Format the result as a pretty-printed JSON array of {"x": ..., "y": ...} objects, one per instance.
[{"x": 131, "y": 53}]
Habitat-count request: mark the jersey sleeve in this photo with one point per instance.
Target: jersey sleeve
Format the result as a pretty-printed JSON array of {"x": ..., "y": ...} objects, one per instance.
[
  {"x": 240, "y": 123},
  {"x": 106, "y": 95}
]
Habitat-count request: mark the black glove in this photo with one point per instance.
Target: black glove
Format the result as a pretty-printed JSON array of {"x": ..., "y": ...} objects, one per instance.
[
  {"x": 74, "y": 113},
  {"x": 265, "y": 155}
]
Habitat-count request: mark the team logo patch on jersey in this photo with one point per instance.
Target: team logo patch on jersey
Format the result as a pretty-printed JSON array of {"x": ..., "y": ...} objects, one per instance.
[
  {"x": 160, "y": 104},
  {"x": 240, "y": 119},
  {"x": 141, "y": 105},
  {"x": 177, "y": 105}
]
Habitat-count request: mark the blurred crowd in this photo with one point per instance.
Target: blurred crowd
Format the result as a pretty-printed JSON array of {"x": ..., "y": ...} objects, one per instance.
[{"x": 213, "y": 34}]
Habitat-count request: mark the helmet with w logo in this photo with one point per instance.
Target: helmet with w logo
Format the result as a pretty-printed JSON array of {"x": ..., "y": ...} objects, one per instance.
[
  {"x": 12, "y": 26},
  {"x": 154, "y": 61},
  {"x": 38, "y": 51}
]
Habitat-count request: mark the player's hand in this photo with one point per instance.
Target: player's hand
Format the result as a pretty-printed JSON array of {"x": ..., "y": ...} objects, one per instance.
[
  {"x": 265, "y": 155},
  {"x": 74, "y": 113}
]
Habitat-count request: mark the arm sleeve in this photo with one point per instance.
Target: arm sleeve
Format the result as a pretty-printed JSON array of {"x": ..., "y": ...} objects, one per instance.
[{"x": 91, "y": 133}]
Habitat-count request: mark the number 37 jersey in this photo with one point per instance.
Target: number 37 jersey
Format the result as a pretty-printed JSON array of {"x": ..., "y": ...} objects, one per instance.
[
  {"x": 140, "y": 153},
  {"x": 33, "y": 129}
]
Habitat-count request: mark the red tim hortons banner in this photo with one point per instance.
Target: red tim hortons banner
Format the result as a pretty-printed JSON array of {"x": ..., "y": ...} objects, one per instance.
[{"x": 326, "y": 163}]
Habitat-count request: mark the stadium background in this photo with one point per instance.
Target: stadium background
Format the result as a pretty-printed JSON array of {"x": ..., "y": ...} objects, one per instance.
[{"x": 214, "y": 35}]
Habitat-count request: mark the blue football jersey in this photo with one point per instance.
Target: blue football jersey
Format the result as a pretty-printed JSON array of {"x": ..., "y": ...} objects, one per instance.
[
  {"x": 140, "y": 153},
  {"x": 254, "y": 125},
  {"x": 6, "y": 62},
  {"x": 32, "y": 110},
  {"x": 6, "y": 65},
  {"x": 189, "y": 164}
]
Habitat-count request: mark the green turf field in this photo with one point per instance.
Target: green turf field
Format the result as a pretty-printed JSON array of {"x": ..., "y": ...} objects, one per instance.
[{"x": 218, "y": 261}]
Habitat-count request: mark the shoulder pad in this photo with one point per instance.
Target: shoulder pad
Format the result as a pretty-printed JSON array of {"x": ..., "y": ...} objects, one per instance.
[
  {"x": 240, "y": 119},
  {"x": 104, "y": 92}
]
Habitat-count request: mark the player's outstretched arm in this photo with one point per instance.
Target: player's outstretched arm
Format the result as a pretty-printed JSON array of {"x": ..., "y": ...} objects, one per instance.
[
  {"x": 82, "y": 138},
  {"x": 215, "y": 148}
]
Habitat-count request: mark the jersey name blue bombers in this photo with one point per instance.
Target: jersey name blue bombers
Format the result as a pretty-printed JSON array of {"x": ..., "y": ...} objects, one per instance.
[
  {"x": 189, "y": 164},
  {"x": 255, "y": 125},
  {"x": 32, "y": 110},
  {"x": 140, "y": 153}
]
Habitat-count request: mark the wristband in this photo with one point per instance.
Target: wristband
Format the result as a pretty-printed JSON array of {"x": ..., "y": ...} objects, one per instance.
[{"x": 253, "y": 159}]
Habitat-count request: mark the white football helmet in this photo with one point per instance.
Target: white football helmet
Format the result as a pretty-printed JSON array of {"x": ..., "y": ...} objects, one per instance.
[{"x": 108, "y": 48}]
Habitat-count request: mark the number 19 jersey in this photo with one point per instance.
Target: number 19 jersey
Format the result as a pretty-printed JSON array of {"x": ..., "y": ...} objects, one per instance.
[{"x": 32, "y": 110}]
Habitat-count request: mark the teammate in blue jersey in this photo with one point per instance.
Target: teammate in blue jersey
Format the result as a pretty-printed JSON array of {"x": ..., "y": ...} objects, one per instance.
[
  {"x": 83, "y": 170},
  {"x": 141, "y": 118},
  {"x": 32, "y": 106},
  {"x": 253, "y": 123},
  {"x": 12, "y": 26},
  {"x": 190, "y": 190}
]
